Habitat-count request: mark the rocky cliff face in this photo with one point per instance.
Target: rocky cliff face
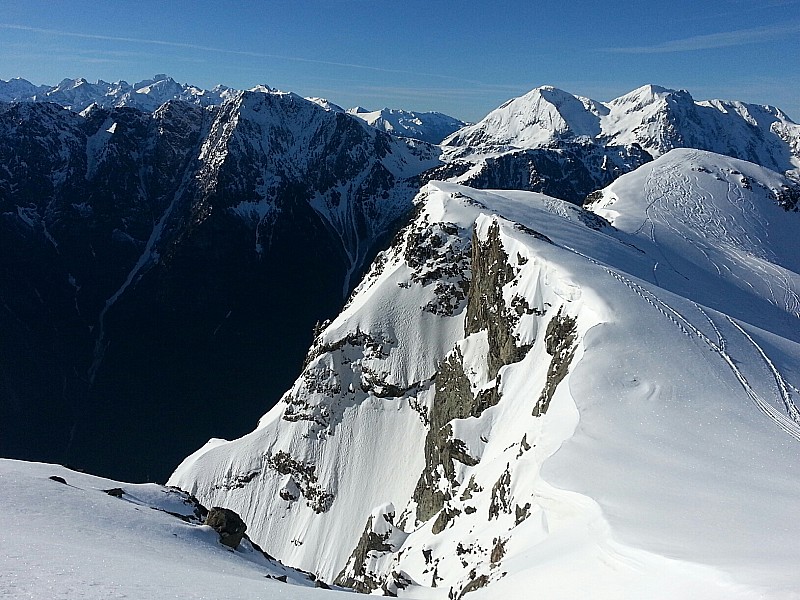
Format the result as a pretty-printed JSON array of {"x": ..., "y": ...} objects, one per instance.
[
  {"x": 568, "y": 170},
  {"x": 417, "y": 355},
  {"x": 157, "y": 263}
]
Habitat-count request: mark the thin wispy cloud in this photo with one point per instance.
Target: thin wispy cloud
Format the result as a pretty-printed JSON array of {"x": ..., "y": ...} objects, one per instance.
[
  {"x": 724, "y": 39},
  {"x": 203, "y": 48}
]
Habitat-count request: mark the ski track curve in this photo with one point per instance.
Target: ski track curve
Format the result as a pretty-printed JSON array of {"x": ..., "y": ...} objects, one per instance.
[
  {"x": 789, "y": 424},
  {"x": 671, "y": 204}
]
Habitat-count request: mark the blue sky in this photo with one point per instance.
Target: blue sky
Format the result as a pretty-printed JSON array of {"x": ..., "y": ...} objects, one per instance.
[{"x": 463, "y": 58}]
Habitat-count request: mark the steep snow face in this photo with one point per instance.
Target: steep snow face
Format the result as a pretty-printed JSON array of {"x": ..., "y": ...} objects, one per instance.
[
  {"x": 364, "y": 395},
  {"x": 431, "y": 127},
  {"x": 542, "y": 406},
  {"x": 655, "y": 118},
  {"x": 69, "y": 535}
]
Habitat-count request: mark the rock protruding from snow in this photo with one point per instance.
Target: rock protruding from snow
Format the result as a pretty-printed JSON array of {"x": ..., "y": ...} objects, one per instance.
[
  {"x": 624, "y": 387},
  {"x": 227, "y": 524},
  {"x": 364, "y": 571},
  {"x": 80, "y": 541},
  {"x": 567, "y": 169}
]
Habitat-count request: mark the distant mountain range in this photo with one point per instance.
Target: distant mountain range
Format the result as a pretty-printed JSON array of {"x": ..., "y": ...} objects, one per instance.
[
  {"x": 79, "y": 94},
  {"x": 430, "y": 127},
  {"x": 655, "y": 118},
  {"x": 567, "y": 146}
]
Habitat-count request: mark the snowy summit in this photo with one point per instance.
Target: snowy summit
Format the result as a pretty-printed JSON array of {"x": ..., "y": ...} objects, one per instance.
[{"x": 655, "y": 118}]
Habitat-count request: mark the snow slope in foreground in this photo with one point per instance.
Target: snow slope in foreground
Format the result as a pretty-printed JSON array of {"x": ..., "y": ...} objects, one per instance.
[
  {"x": 574, "y": 420},
  {"x": 75, "y": 541}
]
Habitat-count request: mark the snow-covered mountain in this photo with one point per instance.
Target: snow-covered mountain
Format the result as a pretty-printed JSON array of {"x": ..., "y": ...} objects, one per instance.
[
  {"x": 655, "y": 118},
  {"x": 154, "y": 263},
  {"x": 326, "y": 104},
  {"x": 19, "y": 90},
  {"x": 70, "y": 535},
  {"x": 431, "y": 127},
  {"x": 526, "y": 395},
  {"x": 79, "y": 94},
  {"x": 520, "y": 394}
]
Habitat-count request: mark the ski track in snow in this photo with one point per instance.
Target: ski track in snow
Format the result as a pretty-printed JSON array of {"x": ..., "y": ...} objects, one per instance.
[
  {"x": 671, "y": 204},
  {"x": 783, "y": 389},
  {"x": 654, "y": 194},
  {"x": 791, "y": 423}
]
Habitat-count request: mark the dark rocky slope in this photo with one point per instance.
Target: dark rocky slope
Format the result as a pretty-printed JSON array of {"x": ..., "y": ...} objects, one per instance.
[{"x": 161, "y": 273}]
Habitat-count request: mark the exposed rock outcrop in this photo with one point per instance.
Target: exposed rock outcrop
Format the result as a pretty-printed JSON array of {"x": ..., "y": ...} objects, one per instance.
[
  {"x": 228, "y": 524},
  {"x": 486, "y": 307},
  {"x": 560, "y": 340},
  {"x": 570, "y": 171},
  {"x": 378, "y": 539},
  {"x": 455, "y": 399}
]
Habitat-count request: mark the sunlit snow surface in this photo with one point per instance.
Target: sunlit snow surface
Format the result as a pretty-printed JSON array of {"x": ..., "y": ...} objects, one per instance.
[
  {"x": 75, "y": 541},
  {"x": 667, "y": 464}
]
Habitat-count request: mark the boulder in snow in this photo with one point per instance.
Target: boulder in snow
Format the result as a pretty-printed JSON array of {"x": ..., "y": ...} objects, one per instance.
[{"x": 227, "y": 524}]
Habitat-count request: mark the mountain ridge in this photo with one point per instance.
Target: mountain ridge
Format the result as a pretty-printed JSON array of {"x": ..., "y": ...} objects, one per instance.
[
  {"x": 467, "y": 460},
  {"x": 80, "y": 95},
  {"x": 519, "y": 393},
  {"x": 655, "y": 118},
  {"x": 130, "y": 235},
  {"x": 431, "y": 127}
]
